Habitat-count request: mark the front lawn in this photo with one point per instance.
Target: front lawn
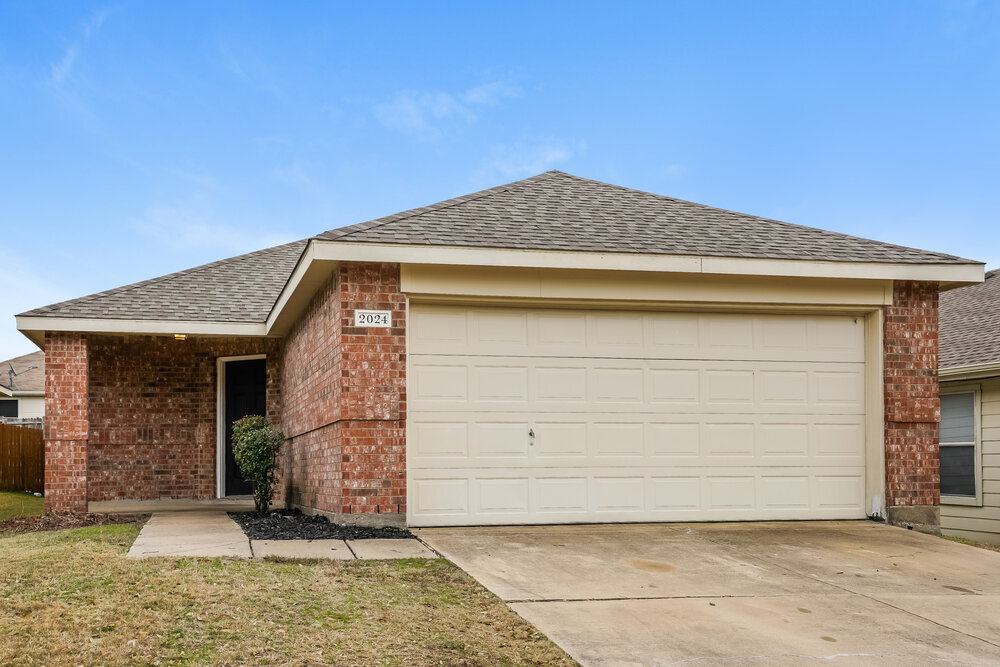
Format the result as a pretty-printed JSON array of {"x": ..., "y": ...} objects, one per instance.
[
  {"x": 16, "y": 504},
  {"x": 70, "y": 597}
]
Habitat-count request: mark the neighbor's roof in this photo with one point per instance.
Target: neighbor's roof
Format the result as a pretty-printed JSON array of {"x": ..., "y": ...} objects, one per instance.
[
  {"x": 239, "y": 289},
  {"x": 551, "y": 211},
  {"x": 26, "y": 380},
  {"x": 559, "y": 211},
  {"x": 970, "y": 324}
]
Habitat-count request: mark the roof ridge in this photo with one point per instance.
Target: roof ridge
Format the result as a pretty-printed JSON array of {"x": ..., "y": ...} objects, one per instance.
[
  {"x": 438, "y": 206},
  {"x": 158, "y": 279},
  {"x": 758, "y": 217}
]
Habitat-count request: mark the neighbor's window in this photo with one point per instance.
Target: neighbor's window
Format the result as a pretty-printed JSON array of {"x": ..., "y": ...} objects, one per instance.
[
  {"x": 958, "y": 444},
  {"x": 8, "y": 408}
]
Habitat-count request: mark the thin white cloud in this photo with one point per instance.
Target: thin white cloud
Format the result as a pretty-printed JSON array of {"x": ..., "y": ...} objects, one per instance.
[
  {"x": 188, "y": 225},
  {"x": 527, "y": 158},
  {"x": 61, "y": 70},
  {"x": 423, "y": 113}
]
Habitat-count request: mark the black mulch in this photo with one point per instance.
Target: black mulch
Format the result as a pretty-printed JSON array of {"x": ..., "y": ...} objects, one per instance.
[{"x": 294, "y": 525}]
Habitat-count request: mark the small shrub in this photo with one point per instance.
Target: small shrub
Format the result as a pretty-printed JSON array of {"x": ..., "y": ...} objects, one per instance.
[{"x": 255, "y": 447}]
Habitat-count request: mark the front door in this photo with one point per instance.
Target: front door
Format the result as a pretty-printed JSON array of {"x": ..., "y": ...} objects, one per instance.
[{"x": 245, "y": 394}]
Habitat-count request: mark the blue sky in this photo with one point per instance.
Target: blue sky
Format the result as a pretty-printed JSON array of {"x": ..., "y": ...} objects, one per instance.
[{"x": 141, "y": 138}]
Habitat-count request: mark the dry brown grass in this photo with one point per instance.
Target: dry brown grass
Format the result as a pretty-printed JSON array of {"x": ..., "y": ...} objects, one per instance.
[
  {"x": 70, "y": 597},
  {"x": 973, "y": 543}
]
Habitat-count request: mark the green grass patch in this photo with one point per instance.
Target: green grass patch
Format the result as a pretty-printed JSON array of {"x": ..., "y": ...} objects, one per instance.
[
  {"x": 70, "y": 597},
  {"x": 16, "y": 504}
]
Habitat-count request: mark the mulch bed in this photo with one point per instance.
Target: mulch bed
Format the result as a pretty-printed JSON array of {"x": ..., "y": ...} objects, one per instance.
[
  {"x": 294, "y": 525},
  {"x": 62, "y": 521}
]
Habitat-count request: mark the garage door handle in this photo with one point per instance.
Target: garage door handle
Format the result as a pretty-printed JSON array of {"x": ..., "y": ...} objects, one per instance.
[{"x": 531, "y": 433}]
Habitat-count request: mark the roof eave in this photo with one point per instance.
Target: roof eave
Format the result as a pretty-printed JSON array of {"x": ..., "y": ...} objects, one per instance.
[
  {"x": 970, "y": 371},
  {"x": 949, "y": 273}
]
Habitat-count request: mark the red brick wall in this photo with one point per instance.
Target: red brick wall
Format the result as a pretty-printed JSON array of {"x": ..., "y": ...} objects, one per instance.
[
  {"x": 345, "y": 409},
  {"x": 912, "y": 403},
  {"x": 66, "y": 422},
  {"x": 153, "y": 413}
]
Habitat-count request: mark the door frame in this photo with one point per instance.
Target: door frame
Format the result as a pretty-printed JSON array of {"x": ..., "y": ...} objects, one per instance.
[{"x": 220, "y": 418}]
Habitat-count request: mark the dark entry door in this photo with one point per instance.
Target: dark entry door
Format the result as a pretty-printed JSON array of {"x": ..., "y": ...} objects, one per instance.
[{"x": 246, "y": 394}]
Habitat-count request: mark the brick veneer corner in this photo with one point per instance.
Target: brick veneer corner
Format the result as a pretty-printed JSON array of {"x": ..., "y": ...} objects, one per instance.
[
  {"x": 912, "y": 403},
  {"x": 67, "y": 425},
  {"x": 345, "y": 408}
]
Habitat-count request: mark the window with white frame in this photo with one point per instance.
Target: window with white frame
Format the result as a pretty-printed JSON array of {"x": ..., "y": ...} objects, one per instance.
[{"x": 958, "y": 444}]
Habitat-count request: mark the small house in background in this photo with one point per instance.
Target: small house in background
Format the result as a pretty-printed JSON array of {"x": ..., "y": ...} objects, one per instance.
[
  {"x": 970, "y": 410},
  {"x": 22, "y": 386}
]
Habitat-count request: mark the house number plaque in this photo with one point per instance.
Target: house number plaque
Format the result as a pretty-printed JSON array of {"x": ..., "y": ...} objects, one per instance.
[{"x": 372, "y": 318}]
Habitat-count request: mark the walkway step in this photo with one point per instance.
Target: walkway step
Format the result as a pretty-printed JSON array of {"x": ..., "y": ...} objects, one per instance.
[
  {"x": 211, "y": 534},
  {"x": 192, "y": 533}
]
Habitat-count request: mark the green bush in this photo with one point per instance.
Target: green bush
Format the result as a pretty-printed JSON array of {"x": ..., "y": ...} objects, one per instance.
[{"x": 255, "y": 447}]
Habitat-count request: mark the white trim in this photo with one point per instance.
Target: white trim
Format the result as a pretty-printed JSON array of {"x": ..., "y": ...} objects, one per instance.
[
  {"x": 972, "y": 371},
  {"x": 455, "y": 255},
  {"x": 160, "y": 327},
  {"x": 875, "y": 414},
  {"x": 977, "y": 424},
  {"x": 220, "y": 418}
]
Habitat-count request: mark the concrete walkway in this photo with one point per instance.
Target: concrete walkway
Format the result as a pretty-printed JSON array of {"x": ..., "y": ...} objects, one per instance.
[
  {"x": 210, "y": 533},
  {"x": 741, "y": 594}
]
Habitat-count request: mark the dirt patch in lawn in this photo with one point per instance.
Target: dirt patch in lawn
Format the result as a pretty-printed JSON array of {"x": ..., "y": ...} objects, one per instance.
[
  {"x": 62, "y": 521},
  {"x": 294, "y": 525},
  {"x": 71, "y": 598}
]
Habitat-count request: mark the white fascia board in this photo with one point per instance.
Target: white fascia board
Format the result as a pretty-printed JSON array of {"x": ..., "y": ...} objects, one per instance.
[
  {"x": 308, "y": 276},
  {"x": 28, "y": 394},
  {"x": 413, "y": 254},
  {"x": 971, "y": 372},
  {"x": 28, "y": 324},
  {"x": 4, "y": 391}
]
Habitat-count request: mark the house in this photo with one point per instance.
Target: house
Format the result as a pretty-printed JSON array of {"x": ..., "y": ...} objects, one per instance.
[
  {"x": 970, "y": 411},
  {"x": 553, "y": 350},
  {"x": 22, "y": 386}
]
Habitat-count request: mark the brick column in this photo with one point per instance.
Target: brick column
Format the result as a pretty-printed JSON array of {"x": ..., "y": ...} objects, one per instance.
[
  {"x": 372, "y": 426},
  {"x": 912, "y": 406},
  {"x": 67, "y": 424}
]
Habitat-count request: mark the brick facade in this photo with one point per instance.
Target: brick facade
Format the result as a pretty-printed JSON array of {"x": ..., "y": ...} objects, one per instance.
[
  {"x": 345, "y": 412},
  {"x": 153, "y": 413},
  {"x": 134, "y": 417},
  {"x": 912, "y": 403},
  {"x": 67, "y": 424}
]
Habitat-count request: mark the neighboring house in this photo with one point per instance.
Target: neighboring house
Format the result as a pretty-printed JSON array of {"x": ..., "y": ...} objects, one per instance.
[
  {"x": 22, "y": 386},
  {"x": 970, "y": 411},
  {"x": 554, "y": 350}
]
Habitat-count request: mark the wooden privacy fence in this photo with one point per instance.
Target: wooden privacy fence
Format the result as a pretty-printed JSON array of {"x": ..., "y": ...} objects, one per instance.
[{"x": 22, "y": 458}]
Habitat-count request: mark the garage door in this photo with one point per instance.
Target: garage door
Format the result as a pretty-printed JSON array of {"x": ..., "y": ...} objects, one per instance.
[{"x": 557, "y": 416}]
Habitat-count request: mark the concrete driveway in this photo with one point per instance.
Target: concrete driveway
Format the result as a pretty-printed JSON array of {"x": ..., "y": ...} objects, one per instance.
[{"x": 741, "y": 593}]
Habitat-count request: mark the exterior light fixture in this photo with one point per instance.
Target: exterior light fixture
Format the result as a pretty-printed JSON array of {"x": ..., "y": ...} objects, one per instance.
[{"x": 180, "y": 336}]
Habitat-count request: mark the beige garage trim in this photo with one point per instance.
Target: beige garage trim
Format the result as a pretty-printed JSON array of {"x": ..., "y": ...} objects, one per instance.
[{"x": 536, "y": 415}]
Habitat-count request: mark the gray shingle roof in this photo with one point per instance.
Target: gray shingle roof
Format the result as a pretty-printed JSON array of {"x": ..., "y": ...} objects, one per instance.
[
  {"x": 558, "y": 211},
  {"x": 26, "y": 380},
  {"x": 551, "y": 211},
  {"x": 970, "y": 324},
  {"x": 238, "y": 289}
]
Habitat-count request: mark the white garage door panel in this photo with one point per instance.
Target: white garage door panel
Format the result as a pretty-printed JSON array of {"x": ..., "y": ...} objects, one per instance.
[
  {"x": 518, "y": 384},
  {"x": 508, "y": 495},
  {"x": 460, "y": 440},
  {"x": 576, "y": 333},
  {"x": 549, "y": 416}
]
